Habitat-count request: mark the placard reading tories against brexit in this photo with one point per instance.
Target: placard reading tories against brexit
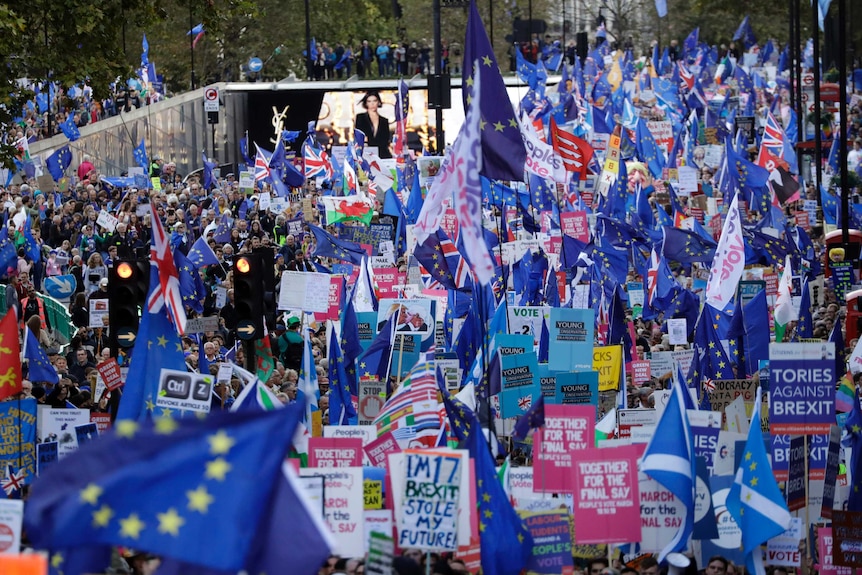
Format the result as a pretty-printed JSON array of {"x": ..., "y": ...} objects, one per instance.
[
  {"x": 606, "y": 494},
  {"x": 568, "y": 428},
  {"x": 429, "y": 511},
  {"x": 571, "y": 339},
  {"x": 801, "y": 396}
]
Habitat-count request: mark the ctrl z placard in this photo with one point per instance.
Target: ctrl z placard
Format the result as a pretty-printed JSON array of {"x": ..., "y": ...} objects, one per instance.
[{"x": 184, "y": 391}]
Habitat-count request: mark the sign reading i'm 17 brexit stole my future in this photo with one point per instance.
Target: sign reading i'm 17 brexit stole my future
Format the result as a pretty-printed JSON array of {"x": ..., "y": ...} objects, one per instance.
[
  {"x": 801, "y": 396},
  {"x": 571, "y": 339}
]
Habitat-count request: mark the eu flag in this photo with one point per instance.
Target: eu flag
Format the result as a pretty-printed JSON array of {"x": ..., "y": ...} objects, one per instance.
[
  {"x": 70, "y": 129},
  {"x": 192, "y": 287},
  {"x": 201, "y": 254},
  {"x": 341, "y": 410},
  {"x": 685, "y": 247},
  {"x": 503, "y": 152},
  {"x": 58, "y": 162},
  {"x": 506, "y": 544},
  {"x": 853, "y": 439},
  {"x": 38, "y": 366},
  {"x": 157, "y": 346},
  {"x": 329, "y": 246},
  {"x": 140, "y": 155},
  {"x": 157, "y": 486}
]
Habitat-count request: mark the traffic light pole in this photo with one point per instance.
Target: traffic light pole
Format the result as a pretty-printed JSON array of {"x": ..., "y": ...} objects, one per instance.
[{"x": 250, "y": 359}]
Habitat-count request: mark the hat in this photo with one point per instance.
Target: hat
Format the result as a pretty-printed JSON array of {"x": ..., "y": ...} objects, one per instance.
[
  {"x": 293, "y": 321},
  {"x": 103, "y": 282}
]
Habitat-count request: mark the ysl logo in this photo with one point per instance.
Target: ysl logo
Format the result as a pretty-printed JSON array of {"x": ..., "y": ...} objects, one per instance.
[{"x": 278, "y": 123}]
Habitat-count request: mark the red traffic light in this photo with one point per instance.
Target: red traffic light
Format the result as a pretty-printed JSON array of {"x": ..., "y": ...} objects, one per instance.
[{"x": 243, "y": 266}]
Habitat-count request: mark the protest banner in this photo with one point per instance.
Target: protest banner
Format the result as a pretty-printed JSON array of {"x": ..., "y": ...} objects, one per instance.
[
  {"x": 520, "y": 383},
  {"x": 783, "y": 550},
  {"x": 825, "y": 550},
  {"x": 847, "y": 538},
  {"x": 627, "y": 419},
  {"x": 818, "y": 451},
  {"x": 552, "y": 543},
  {"x": 801, "y": 396},
  {"x": 59, "y": 425},
  {"x": 795, "y": 488},
  {"x": 608, "y": 362},
  {"x": 831, "y": 474},
  {"x": 567, "y": 428},
  {"x": 11, "y": 520},
  {"x": 729, "y": 535},
  {"x": 727, "y": 390},
  {"x": 570, "y": 347},
  {"x": 520, "y": 483},
  {"x": 342, "y": 508},
  {"x": 578, "y": 388},
  {"x": 548, "y": 383},
  {"x": 18, "y": 436},
  {"x": 46, "y": 455},
  {"x": 388, "y": 279},
  {"x": 723, "y": 460},
  {"x": 660, "y": 514},
  {"x": 306, "y": 291},
  {"x": 605, "y": 487},
  {"x": 705, "y": 427},
  {"x": 334, "y": 452},
  {"x": 431, "y": 491}
]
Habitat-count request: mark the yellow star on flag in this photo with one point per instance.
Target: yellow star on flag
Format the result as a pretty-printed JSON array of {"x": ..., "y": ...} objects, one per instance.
[
  {"x": 199, "y": 499},
  {"x": 220, "y": 443},
  {"x": 217, "y": 469},
  {"x": 103, "y": 516},
  {"x": 131, "y": 526},
  {"x": 166, "y": 426},
  {"x": 170, "y": 522},
  {"x": 126, "y": 428},
  {"x": 91, "y": 493},
  {"x": 163, "y": 341}
]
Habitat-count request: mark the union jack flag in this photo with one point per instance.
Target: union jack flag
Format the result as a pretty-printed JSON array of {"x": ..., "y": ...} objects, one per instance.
[
  {"x": 686, "y": 79},
  {"x": 524, "y": 403},
  {"x": 652, "y": 278},
  {"x": 773, "y": 136},
  {"x": 261, "y": 165},
  {"x": 168, "y": 292},
  {"x": 402, "y": 105},
  {"x": 13, "y": 482},
  {"x": 316, "y": 161}
]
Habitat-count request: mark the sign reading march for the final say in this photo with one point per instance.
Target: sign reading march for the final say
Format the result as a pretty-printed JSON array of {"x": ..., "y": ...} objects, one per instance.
[{"x": 429, "y": 513}]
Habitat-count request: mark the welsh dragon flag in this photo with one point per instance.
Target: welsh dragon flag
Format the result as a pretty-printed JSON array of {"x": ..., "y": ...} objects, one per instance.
[{"x": 340, "y": 209}]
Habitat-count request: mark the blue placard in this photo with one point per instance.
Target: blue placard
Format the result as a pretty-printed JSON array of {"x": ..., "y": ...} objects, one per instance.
[
  {"x": 86, "y": 433},
  {"x": 405, "y": 354},
  {"x": 705, "y": 442},
  {"x": 513, "y": 344},
  {"x": 18, "y": 436},
  {"x": 818, "y": 452},
  {"x": 571, "y": 339},
  {"x": 578, "y": 388},
  {"x": 60, "y": 287},
  {"x": 367, "y": 322},
  {"x": 548, "y": 383},
  {"x": 801, "y": 396},
  {"x": 705, "y": 526},
  {"x": 46, "y": 455},
  {"x": 519, "y": 376},
  {"x": 727, "y": 546}
]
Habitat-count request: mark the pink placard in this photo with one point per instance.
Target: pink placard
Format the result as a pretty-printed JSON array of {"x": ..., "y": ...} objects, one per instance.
[
  {"x": 575, "y": 225},
  {"x": 378, "y": 450},
  {"x": 568, "y": 428},
  {"x": 640, "y": 371},
  {"x": 334, "y": 311},
  {"x": 824, "y": 546},
  {"x": 387, "y": 279},
  {"x": 334, "y": 452},
  {"x": 606, "y": 494},
  {"x": 110, "y": 372}
]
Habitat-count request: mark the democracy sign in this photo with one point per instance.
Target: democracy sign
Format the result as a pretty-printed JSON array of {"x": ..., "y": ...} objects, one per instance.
[
  {"x": 568, "y": 428},
  {"x": 605, "y": 486},
  {"x": 801, "y": 396},
  {"x": 429, "y": 509}
]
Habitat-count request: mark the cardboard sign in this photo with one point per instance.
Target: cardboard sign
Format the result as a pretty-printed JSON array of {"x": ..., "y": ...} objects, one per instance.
[
  {"x": 307, "y": 291},
  {"x": 606, "y": 494},
  {"x": 429, "y": 511},
  {"x": 202, "y": 324},
  {"x": 110, "y": 372},
  {"x": 567, "y": 428},
  {"x": 334, "y": 452}
]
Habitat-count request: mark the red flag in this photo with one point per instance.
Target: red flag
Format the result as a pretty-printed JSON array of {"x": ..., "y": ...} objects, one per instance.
[
  {"x": 575, "y": 152},
  {"x": 10, "y": 356}
]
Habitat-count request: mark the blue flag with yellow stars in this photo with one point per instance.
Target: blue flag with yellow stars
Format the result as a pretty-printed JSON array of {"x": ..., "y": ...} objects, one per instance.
[
  {"x": 506, "y": 544},
  {"x": 192, "y": 288},
  {"x": 140, "y": 155},
  {"x": 710, "y": 360},
  {"x": 157, "y": 346},
  {"x": 853, "y": 439},
  {"x": 39, "y": 368},
  {"x": 58, "y": 162},
  {"x": 157, "y": 486},
  {"x": 503, "y": 152},
  {"x": 686, "y": 247},
  {"x": 329, "y": 246}
]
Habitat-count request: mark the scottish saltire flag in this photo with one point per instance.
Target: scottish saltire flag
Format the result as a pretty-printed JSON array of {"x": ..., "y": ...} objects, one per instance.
[
  {"x": 669, "y": 459},
  {"x": 39, "y": 368},
  {"x": 755, "y": 501},
  {"x": 58, "y": 162},
  {"x": 503, "y": 151},
  {"x": 168, "y": 292},
  {"x": 140, "y": 155},
  {"x": 729, "y": 261},
  {"x": 402, "y": 105},
  {"x": 70, "y": 129}
]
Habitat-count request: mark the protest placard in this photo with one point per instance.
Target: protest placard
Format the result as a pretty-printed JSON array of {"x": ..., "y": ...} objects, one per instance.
[
  {"x": 527, "y": 320},
  {"x": 608, "y": 362},
  {"x": 202, "y": 324},
  {"x": 18, "y": 436},
  {"x": 705, "y": 427},
  {"x": 847, "y": 538},
  {"x": 578, "y": 388},
  {"x": 567, "y": 428},
  {"x": 343, "y": 507},
  {"x": 184, "y": 391},
  {"x": 334, "y": 452},
  {"x": 795, "y": 488},
  {"x": 825, "y": 551},
  {"x": 831, "y": 475},
  {"x": 381, "y": 549},
  {"x": 11, "y": 519},
  {"x": 627, "y": 419},
  {"x": 110, "y": 372},
  {"x": 372, "y": 396},
  {"x": 660, "y": 514},
  {"x": 726, "y": 390},
  {"x": 605, "y": 487},
  {"x": 429, "y": 511},
  {"x": 570, "y": 345},
  {"x": 552, "y": 543},
  {"x": 801, "y": 396},
  {"x": 59, "y": 425},
  {"x": 46, "y": 455},
  {"x": 378, "y": 450},
  {"x": 306, "y": 291},
  {"x": 520, "y": 383},
  {"x": 784, "y": 550},
  {"x": 98, "y": 313}
]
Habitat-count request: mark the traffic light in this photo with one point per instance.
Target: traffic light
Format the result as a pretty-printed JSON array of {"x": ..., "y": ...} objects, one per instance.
[
  {"x": 248, "y": 289},
  {"x": 128, "y": 283},
  {"x": 270, "y": 311}
]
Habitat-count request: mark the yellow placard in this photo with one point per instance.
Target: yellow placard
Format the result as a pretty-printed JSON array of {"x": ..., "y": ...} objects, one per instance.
[
  {"x": 373, "y": 492},
  {"x": 607, "y": 361}
]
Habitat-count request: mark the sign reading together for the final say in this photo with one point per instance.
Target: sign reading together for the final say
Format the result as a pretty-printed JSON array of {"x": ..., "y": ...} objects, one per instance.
[
  {"x": 605, "y": 490},
  {"x": 568, "y": 428}
]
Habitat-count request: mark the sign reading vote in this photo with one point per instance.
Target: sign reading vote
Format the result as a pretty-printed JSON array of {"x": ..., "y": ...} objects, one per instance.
[
  {"x": 184, "y": 391},
  {"x": 802, "y": 396}
]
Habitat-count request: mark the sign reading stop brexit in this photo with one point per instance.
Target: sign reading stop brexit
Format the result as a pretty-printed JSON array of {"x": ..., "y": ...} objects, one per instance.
[{"x": 802, "y": 396}]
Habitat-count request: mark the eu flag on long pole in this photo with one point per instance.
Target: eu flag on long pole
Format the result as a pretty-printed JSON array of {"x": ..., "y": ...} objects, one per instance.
[{"x": 503, "y": 152}]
